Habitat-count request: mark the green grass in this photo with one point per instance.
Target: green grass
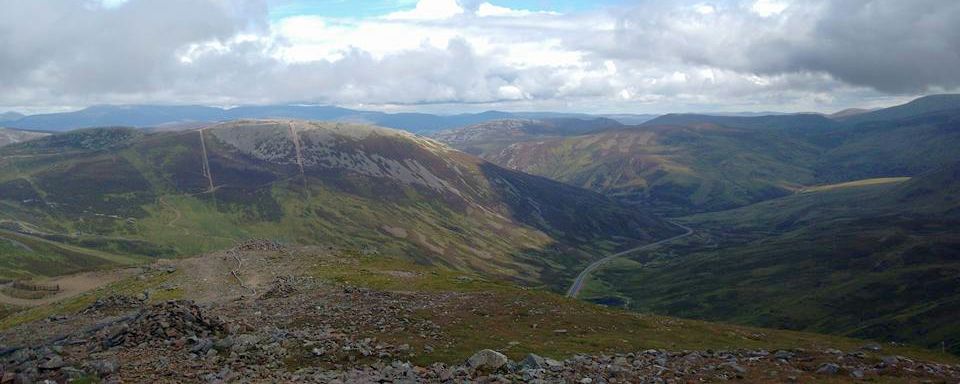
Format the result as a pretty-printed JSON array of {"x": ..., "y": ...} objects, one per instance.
[
  {"x": 673, "y": 170},
  {"x": 49, "y": 258},
  {"x": 129, "y": 286},
  {"x": 503, "y": 313},
  {"x": 854, "y": 184},
  {"x": 821, "y": 261},
  {"x": 146, "y": 196}
]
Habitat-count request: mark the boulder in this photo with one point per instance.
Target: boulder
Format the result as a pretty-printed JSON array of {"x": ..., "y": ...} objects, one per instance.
[
  {"x": 487, "y": 360},
  {"x": 52, "y": 362},
  {"x": 783, "y": 355},
  {"x": 828, "y": 369},
  {"x": 105, "y": 367},
  {"x": 533, "y": 361}
]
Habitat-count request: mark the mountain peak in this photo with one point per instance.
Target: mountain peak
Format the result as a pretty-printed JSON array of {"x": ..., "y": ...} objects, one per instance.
[{"x": 916, "y": 107}]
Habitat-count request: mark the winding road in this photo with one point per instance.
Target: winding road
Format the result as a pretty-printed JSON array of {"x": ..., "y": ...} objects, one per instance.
[{"x": 582, "y": 277}]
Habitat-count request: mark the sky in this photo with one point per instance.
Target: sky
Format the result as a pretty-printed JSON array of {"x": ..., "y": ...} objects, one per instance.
[{"x": 446, "y": 56}]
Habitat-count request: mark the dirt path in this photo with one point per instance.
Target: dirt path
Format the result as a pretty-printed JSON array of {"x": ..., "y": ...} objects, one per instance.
[
  {"x": 72, "y": 285},
  {"x": 205, "y": 166},
  {"x": 177, "y": 214},
  {"x": 299, "y": 149},
  {"x": 582, "y": 277},
  {"x": 18, "y": 244}
]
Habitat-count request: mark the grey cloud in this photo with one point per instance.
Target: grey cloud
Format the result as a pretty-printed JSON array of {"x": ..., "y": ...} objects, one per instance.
[
  {"x": 66, "y": 52},
  {"x": 889, "y": 45},
  {"x": 893, "y": 46},
  {"x": 78, "y": 46}
]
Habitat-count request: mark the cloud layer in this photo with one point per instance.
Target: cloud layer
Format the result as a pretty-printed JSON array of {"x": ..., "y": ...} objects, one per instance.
[{"x": 445, "y": 54}]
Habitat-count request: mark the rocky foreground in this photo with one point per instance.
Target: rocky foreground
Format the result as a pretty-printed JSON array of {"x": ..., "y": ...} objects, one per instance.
[
  {"x": 179, "y": 341},
  {"x": 301, "y": 328}
]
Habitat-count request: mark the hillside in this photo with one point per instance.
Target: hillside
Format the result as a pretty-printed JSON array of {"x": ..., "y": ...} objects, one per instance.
[
  {"x": 804, "y": 122},
  {"x": 263, "y": 312},
  {"x": 672, "y": 169},
  {"x": 123, "y": 191},
  {"x": 867, "y": 259},
  {"x": 919, "y": 106},
  {"x": 890, "y": 148},
  {"x": 685, "y": 163},
  {"x": 490, "y": 138},
  {"x": 10, "y": 116},
  {"x": 13, "y": 136}
]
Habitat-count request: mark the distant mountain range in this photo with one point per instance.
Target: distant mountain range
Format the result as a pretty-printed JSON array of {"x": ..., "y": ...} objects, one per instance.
[
  {"x": 488, "y": 138},
  {"x": 683, "y": 163},
  {"x": 190, "y": 116},
  {"x": 155, "y": 116},
  {"x": 10, "y": 116}
]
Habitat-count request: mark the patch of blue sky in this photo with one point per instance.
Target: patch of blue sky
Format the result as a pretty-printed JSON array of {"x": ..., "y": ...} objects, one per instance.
[{"x": 280, "y": 9}]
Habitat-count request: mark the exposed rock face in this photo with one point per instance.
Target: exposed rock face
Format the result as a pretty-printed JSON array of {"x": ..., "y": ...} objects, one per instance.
[
  {"x": 336, "y": 146},
  {"x": 12, "y": 136}
]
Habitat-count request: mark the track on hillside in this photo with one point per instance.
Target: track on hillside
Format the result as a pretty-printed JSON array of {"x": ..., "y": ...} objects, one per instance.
[
  {"x": 577, "y": 285},
  {"x": 299, "y": 150},
  {"x": 205, "y": 165}
]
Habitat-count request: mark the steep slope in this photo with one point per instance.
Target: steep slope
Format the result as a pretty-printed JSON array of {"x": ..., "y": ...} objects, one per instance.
[
  {"x": 308, "y": 183},
  {"x": 905, "y": 146},
  {"x": 804, "y": 122},
  {"x": 849, "y": 112},
  {"x": 672, "y": 169},
  {"x": 490, "y": 138},
  {"x": 919, "y": 106},
  {"x": 13, "y": 136},
  {"x": 865, "y": 259},
  {"x": 935, "y": 193},
  {"x": 685, "y": 163},
  {"x": 10, "y": 116}
]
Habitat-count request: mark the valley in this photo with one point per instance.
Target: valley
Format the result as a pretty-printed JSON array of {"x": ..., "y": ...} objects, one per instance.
[
  {"x": 803, "y": 221},
  {"x": 183, "y": 193},
  {"x": 479, "y": 192},
  {"x": 713, "y": 218}
]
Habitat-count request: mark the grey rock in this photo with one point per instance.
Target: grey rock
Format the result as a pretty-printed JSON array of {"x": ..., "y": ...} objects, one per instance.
[
  {"x": 889, "y": 360},
  {"x": 487, "y": 360},
  {"x": 52, "y": 362},
  {"x": 553, "y": 365},
  {"x": 734, "y": 367},
  {"x": 783, "y": 355},
  {"x": 533, "y": 361},
  {"x": 224, "y": 344},
  {"x": 872, "y": 347},
  {"x": 201, "y": 346},
  {"x": 532, "y": 374},
  {"x": 105, "y": 367},
  {"x": 828, "y": 369}
]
